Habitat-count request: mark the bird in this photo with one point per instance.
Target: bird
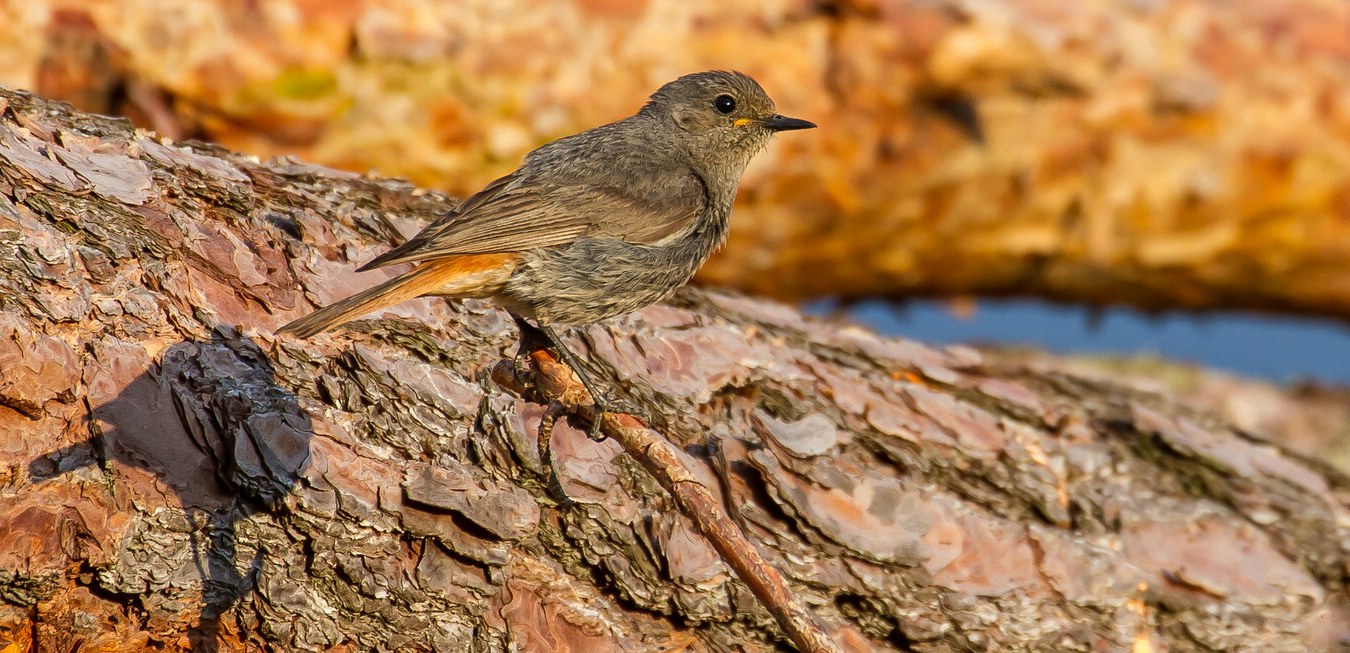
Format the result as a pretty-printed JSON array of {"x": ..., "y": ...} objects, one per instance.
[{"x": 593, "y": 225}]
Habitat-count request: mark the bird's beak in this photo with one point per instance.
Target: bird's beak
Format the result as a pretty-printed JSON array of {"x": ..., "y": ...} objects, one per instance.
[{"x": 784, "y": 123}]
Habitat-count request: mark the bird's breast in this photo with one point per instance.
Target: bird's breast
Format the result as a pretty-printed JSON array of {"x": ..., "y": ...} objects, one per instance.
[{"x": 593, "y": 279}]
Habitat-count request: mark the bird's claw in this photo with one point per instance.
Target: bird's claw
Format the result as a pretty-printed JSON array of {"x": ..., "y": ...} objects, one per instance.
[
  {"x": 597, "y": 422},
  {"x": 552, "y": 412},
  {"x": 520, "y": 364},
  {"x": 616, "y": 406}
]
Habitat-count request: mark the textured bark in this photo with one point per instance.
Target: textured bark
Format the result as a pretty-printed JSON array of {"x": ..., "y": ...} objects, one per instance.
[
  {"x": 1311, "y": 419},
  {"x": 171, "y": 475},
  {"x": 1164, "y": 154}
]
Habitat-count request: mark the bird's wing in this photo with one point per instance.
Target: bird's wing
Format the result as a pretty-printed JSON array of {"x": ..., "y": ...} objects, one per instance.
[{"x": 516, "y": 213}]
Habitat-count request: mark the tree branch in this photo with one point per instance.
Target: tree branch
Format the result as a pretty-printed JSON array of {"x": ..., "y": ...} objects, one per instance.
[{"x": 551, "y": 381}]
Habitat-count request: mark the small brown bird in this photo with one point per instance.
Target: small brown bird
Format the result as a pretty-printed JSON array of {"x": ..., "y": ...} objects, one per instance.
[{"x": 593, "y": 225}]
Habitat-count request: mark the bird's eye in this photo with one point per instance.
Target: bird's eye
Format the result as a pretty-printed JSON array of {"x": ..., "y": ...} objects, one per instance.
[{"x": 724, "y": 104}]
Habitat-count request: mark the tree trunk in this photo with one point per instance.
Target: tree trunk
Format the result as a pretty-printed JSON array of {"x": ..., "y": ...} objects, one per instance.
[{"x": 176, "y": 477}]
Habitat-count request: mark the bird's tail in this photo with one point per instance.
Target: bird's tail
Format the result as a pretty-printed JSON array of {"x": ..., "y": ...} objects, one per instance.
[{"x": 475, "y": 275}]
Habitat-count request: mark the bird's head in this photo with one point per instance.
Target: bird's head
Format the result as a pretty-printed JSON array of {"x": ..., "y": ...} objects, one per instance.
[{"x": 724, "y": 117}]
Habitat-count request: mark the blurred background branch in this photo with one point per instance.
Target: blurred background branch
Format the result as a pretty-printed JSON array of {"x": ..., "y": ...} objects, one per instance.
[{"x": 1184, "y": 154}]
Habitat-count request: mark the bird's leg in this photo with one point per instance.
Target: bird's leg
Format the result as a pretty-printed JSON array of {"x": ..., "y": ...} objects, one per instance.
[
  {"x": 532, "y": 337},
  {"x": 598, "y": 399}
]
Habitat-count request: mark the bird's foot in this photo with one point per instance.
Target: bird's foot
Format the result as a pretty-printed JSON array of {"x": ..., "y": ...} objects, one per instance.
[
  {"x": 520, "y": 364},
  {"x": 552, "y": 412},
  {"x": 606, "y": 404}
]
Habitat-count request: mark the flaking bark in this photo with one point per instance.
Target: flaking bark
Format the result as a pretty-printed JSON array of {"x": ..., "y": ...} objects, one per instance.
[{"x": 173, "y": 476}]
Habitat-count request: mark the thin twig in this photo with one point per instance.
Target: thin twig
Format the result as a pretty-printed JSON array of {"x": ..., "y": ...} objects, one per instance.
[{"x": 554, "y": 382}]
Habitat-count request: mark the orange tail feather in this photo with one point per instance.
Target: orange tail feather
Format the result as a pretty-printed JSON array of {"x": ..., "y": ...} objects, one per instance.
[{"x": 474, "y": 275}]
